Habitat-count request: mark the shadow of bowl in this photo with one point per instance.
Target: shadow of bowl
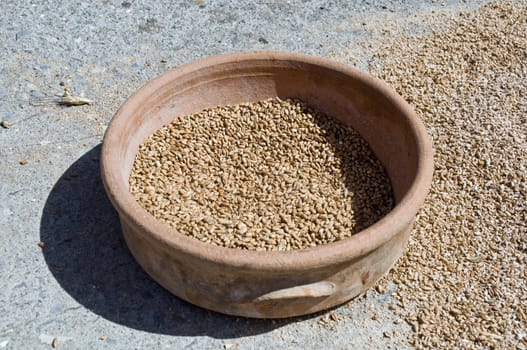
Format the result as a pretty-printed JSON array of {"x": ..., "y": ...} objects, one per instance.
[{"x": 86, "y": 253}]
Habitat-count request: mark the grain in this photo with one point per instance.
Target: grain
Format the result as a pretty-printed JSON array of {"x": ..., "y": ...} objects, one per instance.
[
  {"x": 68, "y": 99},
  {"x": 270, "y": 175},
  {"x": 464, "y": 276}
]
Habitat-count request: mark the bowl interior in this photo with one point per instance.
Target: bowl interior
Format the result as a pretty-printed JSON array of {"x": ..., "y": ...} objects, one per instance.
[{"x": 350, "y": 96}]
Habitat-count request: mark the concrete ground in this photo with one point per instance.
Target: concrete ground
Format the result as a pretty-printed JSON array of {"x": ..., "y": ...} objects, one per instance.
[{"x": 80, "y": 288}]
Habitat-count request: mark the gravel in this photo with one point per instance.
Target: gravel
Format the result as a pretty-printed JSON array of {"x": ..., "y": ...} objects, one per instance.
[
  {"x": 463, "y": 281},
  {"x": 271, "y": 175}
]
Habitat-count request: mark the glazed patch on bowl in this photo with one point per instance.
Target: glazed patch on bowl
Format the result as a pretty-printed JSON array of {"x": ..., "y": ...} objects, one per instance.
[{"x": 270, "y": 175}]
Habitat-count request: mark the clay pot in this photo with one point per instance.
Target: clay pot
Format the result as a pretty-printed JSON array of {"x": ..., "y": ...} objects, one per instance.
[{"x": 270, "y": 284}]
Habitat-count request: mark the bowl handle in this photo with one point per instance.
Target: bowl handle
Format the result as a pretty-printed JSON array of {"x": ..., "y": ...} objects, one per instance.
[{"x": 313, "y": 290}]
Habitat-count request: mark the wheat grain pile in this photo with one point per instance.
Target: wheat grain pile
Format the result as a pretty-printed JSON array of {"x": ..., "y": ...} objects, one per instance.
[{"x": 270, "y": 175}]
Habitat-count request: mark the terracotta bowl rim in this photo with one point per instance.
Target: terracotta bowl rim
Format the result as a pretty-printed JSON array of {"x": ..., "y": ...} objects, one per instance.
[{"x": 341, "y": 251}]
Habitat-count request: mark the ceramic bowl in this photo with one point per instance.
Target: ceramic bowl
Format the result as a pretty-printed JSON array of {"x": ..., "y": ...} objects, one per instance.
[{"x": 270, "y": 284}]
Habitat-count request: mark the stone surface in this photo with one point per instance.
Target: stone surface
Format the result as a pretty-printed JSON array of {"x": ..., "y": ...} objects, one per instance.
[{"x": 84, "y": 288}]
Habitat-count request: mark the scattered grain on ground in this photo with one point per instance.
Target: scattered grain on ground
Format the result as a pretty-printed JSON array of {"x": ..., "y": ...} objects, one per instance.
[{"x": 463, "y": 280}]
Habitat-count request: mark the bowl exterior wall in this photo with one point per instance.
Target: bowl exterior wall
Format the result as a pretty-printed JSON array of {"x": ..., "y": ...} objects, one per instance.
[{"x": 238, "y": 290}]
